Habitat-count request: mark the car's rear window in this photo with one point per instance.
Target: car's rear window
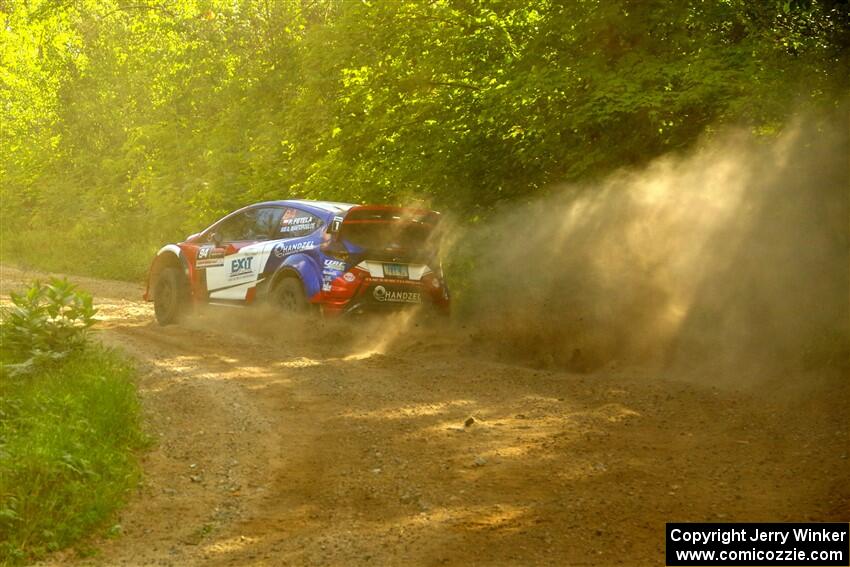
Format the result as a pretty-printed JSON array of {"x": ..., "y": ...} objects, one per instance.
[
  {"x": 392, "y": 232},
  {"x": 388, "y": 236}
]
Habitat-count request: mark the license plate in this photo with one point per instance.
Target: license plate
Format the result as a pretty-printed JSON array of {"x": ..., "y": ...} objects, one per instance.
[{"x": 395, "y": 271}]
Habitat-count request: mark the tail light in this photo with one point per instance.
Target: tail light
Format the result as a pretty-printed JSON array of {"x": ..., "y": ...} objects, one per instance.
[
  {"x": 435, "y": 286},
  {"x": 344, "y": 286},
  {"x": 432, "y": 281}
]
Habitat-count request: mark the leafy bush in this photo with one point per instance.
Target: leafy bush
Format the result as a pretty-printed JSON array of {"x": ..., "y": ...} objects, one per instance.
[
  {"x": 69, "y": 434},
  {"x": 69, "y": 428},
  {"x": 45, "y": 323}
]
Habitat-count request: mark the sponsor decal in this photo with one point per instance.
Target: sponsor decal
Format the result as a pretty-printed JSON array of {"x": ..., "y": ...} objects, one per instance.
[
  {"x": 394, "y": 281},
  {"x": 241, "y": 267},
  {"x": 349, "y": 277},
  {"x": 282, "y": 249},
  {"x": 300, "y": 224},
  {"x": 292, "y": 223},
  {"x": 284, "y": 221},
  {"x": 209, "y": 257},
  {"x": 332, "y": 269},
  {"x": 334, "y": 264},
  {"x": 382, "y": 294}
]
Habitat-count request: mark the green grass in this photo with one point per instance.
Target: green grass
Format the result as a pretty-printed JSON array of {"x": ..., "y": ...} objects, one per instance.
[
  {"x": 98, "y": 257},
  {"x": 69, "y": 437}
]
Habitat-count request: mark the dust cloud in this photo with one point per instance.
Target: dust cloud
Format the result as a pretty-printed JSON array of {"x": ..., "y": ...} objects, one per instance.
[
  {"x": 730, "y": 262},
  {"x": 307, "y": 335}
]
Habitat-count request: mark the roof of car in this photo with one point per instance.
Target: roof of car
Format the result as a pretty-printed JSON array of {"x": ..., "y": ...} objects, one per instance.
[{"x": 323, "y": 206}]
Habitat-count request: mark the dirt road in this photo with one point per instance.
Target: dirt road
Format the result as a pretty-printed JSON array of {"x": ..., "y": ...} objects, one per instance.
[{"x": 385, "y": 444}]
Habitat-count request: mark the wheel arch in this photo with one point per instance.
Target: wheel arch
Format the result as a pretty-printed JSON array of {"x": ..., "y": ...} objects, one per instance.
[
  {"x": 169, "y": 256},
  {"x": 302, "y": 267},
  {"x": 285, "y": 272}
]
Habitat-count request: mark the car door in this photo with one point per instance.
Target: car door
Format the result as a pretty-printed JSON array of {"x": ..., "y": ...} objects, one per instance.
[{"x": 245, "y": 246}]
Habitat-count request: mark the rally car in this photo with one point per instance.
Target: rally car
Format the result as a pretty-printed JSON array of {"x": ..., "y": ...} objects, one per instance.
[{"x": 298, "y": 255}]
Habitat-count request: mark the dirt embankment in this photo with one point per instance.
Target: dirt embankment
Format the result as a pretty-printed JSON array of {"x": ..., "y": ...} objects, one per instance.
[{"x": 386, "y": 444}]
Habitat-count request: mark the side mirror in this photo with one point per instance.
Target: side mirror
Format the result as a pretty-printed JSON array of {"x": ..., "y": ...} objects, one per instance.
[{"x": 215, "y": 238}]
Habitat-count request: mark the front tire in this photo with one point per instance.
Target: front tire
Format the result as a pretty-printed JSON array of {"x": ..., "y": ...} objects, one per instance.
[
  {"x": 170, "y": 297},
  {"x": 288, "y": 296}
]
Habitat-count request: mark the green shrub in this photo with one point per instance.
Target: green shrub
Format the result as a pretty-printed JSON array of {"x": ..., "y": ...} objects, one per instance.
[
  {"x": 69, "y": 433},
  {"x": 69, "y": 423},
  {"x": 45, "y": 323}
]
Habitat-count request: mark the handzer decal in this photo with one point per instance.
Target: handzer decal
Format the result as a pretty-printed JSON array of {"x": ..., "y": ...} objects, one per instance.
[
  {"x": 281, "y": 249},
  {"x": 383, "y": 294}
]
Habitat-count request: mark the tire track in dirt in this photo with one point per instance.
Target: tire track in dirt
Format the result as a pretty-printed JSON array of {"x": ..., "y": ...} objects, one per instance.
[{"x": 348, "y": 446}]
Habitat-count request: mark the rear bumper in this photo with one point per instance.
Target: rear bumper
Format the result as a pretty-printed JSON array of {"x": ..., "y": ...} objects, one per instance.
[
  {"x": 385, "y": 296},
  {"x": 354, "y": 308}
]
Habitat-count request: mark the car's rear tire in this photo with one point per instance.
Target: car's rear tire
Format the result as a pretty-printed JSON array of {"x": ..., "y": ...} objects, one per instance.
[
  {"x": 288, "y": 296},
  {"x": 171, "y": 296}
]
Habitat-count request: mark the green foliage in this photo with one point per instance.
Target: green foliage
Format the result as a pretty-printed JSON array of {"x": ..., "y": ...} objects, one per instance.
[
  {"x": 68, "y": 436},
  {"x": 45, "y": 323},
  {"x": 129, "y": 125}
]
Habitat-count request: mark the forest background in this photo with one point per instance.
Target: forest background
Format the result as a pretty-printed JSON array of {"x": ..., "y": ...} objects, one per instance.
[{"x": 126, "y": 125}]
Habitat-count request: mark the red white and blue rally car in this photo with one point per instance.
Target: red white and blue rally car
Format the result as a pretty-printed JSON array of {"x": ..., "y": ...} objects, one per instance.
[{"x": 297, "y": 255}]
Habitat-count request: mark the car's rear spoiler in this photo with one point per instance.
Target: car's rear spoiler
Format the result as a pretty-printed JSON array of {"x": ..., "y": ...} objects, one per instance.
[{"x": 384, "y": 214}]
